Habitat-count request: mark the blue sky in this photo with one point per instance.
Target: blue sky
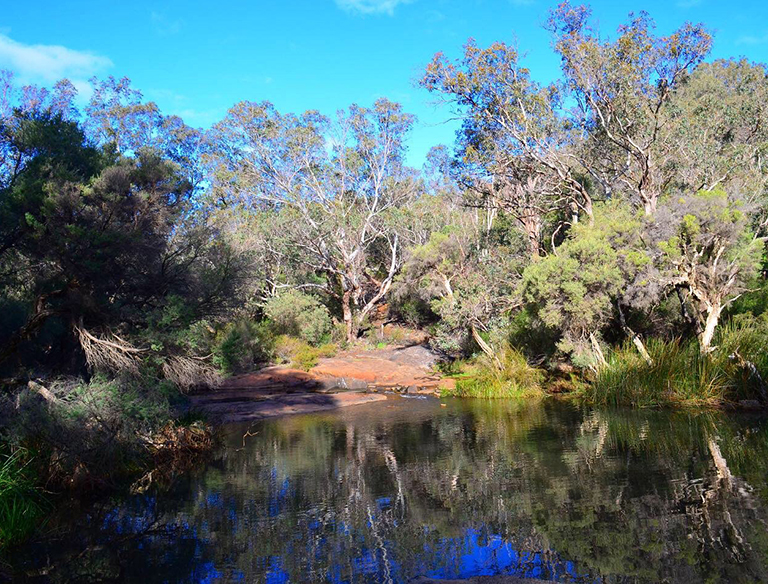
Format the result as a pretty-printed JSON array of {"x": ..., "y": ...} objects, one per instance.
[{"x": 197, "y": 58}]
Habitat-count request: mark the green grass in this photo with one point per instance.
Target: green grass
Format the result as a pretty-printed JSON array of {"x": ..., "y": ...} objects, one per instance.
[
  {"x": 481, "y": 378},
  {"x": 680, "y": 375},
  {"x": 22, "y": 508},
  {"x": 299, "y": 354}
]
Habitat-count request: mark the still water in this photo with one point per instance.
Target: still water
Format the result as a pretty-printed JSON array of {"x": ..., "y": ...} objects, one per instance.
[{"x": 408, "y": 488}]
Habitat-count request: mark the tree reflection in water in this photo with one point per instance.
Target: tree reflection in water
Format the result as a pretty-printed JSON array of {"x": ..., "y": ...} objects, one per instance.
[{"x": 387, "y": 493}]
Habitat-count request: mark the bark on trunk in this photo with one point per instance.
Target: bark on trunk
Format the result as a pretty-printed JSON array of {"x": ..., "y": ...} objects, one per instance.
[
  {"x": 598, "y": 352},
  {"x": 710, "y": 324},
  {"x": 588, "y": 209},
  {"x": 695, "y": 325},
  {"x": 39, "y": 317},
  {"x": 649, "y": 205},
  {"x": 346, "y": 307},
  {"x": 636, "y": 340},
  {"x": 485, "y": 347},
  {"x": 448, "y": 288},
  {"x": 723, "y": 472},
  {"x": 532, "y": 228}
]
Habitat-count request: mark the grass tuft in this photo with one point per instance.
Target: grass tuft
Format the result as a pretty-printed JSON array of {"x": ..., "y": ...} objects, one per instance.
[
  {"x": 21, "y": 505},
  {"x": 299, "y": 354},
  {"x": 483, "y": 379},
  {"x": 680, "y": 375}
]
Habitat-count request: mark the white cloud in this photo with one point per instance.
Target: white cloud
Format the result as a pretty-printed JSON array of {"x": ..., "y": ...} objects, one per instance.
[
  {"x": 48, "y": 63},
  {"x": 371, "y": 6}
]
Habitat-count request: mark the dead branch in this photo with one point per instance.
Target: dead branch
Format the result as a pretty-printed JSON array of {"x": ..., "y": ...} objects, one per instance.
[
  {"x": 188, "y": 372},
  {"x": 108, "y": 353}
]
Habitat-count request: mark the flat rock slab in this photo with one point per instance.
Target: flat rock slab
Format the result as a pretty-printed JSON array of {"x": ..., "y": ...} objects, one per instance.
[
  {"x": 270, "y": 380},
  {"x": 335, "y": 382},
  {"x": 406, "y": 367},
  {"x": 246, "y": 405}
]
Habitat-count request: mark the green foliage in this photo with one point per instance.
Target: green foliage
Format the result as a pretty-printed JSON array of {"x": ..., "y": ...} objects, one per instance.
[
  {"x": 483, "y": 379},
  {"x": 681, "y": 375},
  {"x": 573, "y": 291},
  {"x": 299, "y": 354},
  {"x": 413, "y": 311},
  {"x": 300, "y": 315},
  {"x": 242, "y": 345},
  {"x": 754, "y": 301},
  {"x": 710, "y": 226},
  {"x": 463, "y": 283},
  {"x": 93, "y": 431},
  {"x": 21, "y": 505},
  {"x": 531, "y": 336}
]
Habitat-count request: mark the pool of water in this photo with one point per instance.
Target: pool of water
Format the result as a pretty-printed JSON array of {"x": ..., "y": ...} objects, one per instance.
[{"x": 415, "y": 487}]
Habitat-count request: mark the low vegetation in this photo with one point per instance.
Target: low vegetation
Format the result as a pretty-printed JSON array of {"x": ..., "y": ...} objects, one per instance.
[
  {"x": 509, "y": 377},
  {"x": 22, "y": 506},
  {"x": 299, "y": 354},
  {"x": 679, "y": 374}
]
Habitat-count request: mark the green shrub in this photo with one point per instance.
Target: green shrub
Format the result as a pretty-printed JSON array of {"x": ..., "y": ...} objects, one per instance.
[
  {"x": 531, "y": 336},
  {"x": 93, "y": 431},
  {"x": 305, "y": 358},
  {"x": 299, "y": 354},
  {"x": 299, "y": 315},
  {"x": 412, "y": 310},
  {"x": 755, "y": 301},
  {"x": 327, "y": 350},
  {"x": 241, "y": 345},
  {"x": 482, "y": 378}
]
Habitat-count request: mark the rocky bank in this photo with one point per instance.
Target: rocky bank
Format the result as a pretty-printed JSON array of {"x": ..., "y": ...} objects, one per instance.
[{"x": 350, "y": 378}]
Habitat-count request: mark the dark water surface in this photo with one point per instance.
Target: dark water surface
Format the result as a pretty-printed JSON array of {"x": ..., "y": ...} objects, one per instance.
[{"x": 407, "y": 488}]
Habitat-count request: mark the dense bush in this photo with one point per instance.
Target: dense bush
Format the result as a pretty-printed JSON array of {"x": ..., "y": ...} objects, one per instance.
[
  {"x": 300, "y": 315},
  {"x": 241, "y": 345},
  {"x": 87, "y": 434}
]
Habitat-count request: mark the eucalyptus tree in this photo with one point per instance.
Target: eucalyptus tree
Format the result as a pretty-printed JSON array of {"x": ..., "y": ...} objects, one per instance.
[
  {"x": 116, "y": 114},
  {"x": 719, "y": 127},
  {"x": 468, "y": 282},
  {"x": 623, "y": 89},
  {"x": 339, "y": 180},
  {"x": 703, "y": 245},
  {"x": 515, "y": 149}
]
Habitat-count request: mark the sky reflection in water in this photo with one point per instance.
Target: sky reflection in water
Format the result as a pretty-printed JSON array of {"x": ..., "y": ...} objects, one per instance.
[{"x": 387, "y": 493}]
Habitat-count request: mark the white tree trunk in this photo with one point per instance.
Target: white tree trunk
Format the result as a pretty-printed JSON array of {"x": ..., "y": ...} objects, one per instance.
[
  {"x": 598, "y": 352},
  {"x": 706, "y": 336},
  {"x": 485, "y": 347},
  {"x": 346, "y": 307},
  {"x": 638, "y": 342}
]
